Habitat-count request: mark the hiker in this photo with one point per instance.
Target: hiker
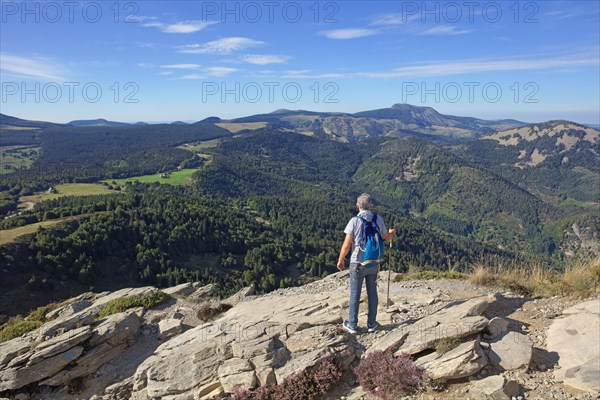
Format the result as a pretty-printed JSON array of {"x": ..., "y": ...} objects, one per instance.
[{"x": 364, "y": 233}]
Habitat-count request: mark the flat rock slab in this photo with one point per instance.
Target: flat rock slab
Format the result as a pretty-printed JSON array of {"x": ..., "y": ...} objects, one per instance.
[
  {"x": 575, "y": 336},
  {"x": 453, "y": 321},
  {"x": 169, "y": 327},
  {"x": 16, "y": 378},
  {"x": 462, "y": 361},
  {"x": 511, "y": 351},
  {"x": 494, "y": 388}
]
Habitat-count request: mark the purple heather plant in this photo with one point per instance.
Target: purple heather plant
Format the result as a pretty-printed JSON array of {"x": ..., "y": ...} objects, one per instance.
[{"x": 388, "y": 377}]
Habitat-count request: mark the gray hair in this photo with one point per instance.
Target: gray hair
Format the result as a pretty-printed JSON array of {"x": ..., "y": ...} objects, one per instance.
[{"x": 364, "y": 201}]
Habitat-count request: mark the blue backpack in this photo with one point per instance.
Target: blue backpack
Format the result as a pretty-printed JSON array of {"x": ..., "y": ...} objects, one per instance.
[{"x": 371, "y": 243}]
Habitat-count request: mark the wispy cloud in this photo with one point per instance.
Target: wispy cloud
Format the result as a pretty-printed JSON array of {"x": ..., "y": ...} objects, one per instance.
[
  {"x": 181, "y": 66},
  {"x": 210, "y": 72},
  {"x": 193, "y": 77},
  {"x": 257, "y": 59},
  {"x": 220, "y": 46},
  {"x": 166, "y": 73},
  {"x": 462, "y": 67},
  {"x": 387, "y": 19},
  {"x": 348, "y": 33},
  {"x": 32, "y": 68},
  {"x": 219, "y": 71},
  {"x": 445, "y": 30},
  {"x": 180, "y": 26}
]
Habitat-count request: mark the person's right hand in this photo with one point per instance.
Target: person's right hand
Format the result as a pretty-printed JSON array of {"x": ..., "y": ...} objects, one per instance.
[
  {"x": 392, "y": 231},
  {"x": 341, "y": 265}
]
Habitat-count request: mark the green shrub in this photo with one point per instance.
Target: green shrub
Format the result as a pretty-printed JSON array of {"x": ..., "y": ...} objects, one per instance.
[
  {"x": 17, "y": 327},
  {"x": 39, "y": 314},
  {"x": 447, "y": 344},
  {"x": 148, "y": 300}
]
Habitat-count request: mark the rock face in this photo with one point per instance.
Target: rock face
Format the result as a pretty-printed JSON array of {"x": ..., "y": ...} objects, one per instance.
[
  {"x": 494, "y": 388},
  {"x": 575, "y": 337},
  {"x": 512, "y": 350},
  {"x": 169, "y": 327},
  {"x": 454, "y": 321},
  {"x": 74, "y": 340},
  {"x": 261, "y": 340},
  {"x": 237, "y": 372},
  {"x": 465, "y": 360},
  {"x": 496, "y": 328}
]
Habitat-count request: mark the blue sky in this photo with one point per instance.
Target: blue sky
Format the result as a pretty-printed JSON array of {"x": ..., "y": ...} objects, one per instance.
[{"x": 187, "y": 60}]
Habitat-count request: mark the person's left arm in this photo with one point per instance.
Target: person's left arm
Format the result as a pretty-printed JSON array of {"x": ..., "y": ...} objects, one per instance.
[{"x": 386, "y": 234}]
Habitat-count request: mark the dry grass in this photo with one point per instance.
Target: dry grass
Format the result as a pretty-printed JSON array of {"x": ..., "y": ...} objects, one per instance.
[
  {"x": 582, "y": 278},
  {"x": 579, "y": 279},
  {"x": 415, "y": 273},
  {"x": 10, "y": 235}
]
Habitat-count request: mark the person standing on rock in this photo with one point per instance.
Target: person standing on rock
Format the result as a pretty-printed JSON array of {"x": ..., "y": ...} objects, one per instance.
[{"x": 365, "y": 227}]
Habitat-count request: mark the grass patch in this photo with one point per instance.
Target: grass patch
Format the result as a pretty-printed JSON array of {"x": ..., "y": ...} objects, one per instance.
[
  {"x": 446, "y": 344},
  {"x": 198, "y": 147},
  {"x": 12, "y": 158},
  {"x": 579, "y": 279},
  {"x": 415, "y": 273},
  {"x": 182, "y": 177},
  {"x": 235, "y": 127},
  {"x": 16, "y": 327},
  {"x": 19, "y": 326},
  {"x": 148, "y": 300},
  {"x": 69, "y": 189},
  {"x": 9, "y": 235},
  {"x": 208, "y": 312}
]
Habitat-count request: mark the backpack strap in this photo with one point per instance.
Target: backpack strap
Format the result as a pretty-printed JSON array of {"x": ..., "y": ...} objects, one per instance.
[{"x": 374, "y": 222}]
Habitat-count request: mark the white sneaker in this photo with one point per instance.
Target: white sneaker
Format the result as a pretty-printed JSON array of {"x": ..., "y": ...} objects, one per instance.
[{"x": 347, "y": 327}]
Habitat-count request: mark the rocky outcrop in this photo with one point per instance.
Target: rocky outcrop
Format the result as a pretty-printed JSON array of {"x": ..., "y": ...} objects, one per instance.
[
  {"x": 168, "y": 353},
  {"x": 454, "y": 321},
  {"x": 510, "y": 351},
  {"x": 261, "y": 340},
  {"x": 75, "y": 344},
  {"x": 465, "y": 360},
  {"x": 575, "y": 337},
  {"x": 494, "y": 388},
  {"x": 169, "y": 327}
]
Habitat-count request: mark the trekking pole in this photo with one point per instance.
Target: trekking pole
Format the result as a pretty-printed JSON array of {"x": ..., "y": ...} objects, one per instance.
[{"x": 387, "y": 301}]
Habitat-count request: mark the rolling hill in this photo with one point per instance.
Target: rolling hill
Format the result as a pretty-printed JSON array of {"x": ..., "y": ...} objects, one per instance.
[
  {"x": 551, "y": 143},
  {"x": 558, "y": 159},
  {"x": 97, "y": 122},
  {"x": 13, "y": 123},
  {"x": 400, "y": 120}
]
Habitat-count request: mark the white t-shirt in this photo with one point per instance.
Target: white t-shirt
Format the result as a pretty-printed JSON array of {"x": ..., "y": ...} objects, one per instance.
[{"x": 354, "y": 228}]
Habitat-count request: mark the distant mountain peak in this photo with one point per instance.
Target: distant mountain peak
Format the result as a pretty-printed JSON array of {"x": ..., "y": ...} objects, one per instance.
[
  {"x": 406, "y": 106},
  {"x": 281, "y": 111},
  {"x": 96, "y": 122},
  {"x": 210, "y": 120}
]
